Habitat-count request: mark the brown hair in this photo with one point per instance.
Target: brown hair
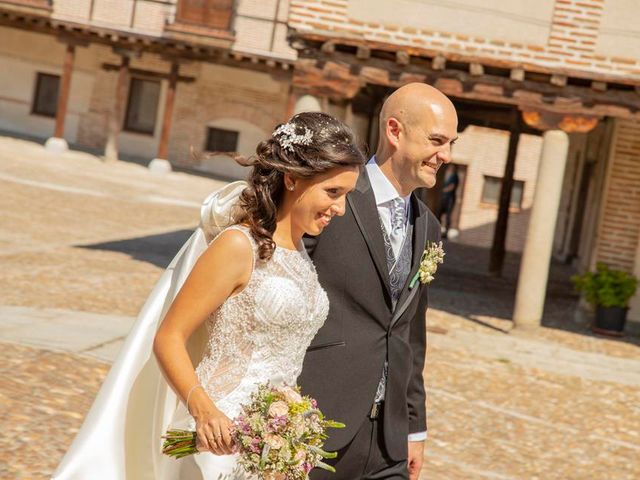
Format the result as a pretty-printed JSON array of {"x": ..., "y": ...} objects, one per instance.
[{"x": 329, "y": 144}]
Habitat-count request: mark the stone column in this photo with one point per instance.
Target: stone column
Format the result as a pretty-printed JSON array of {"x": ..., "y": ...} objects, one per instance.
[
  {"x": 307, "y": 103},
  {"x": 161, "y": 164},
  {"x": 57, "y": 143},
  {"x": 115, "y": 119},
  {"x": 534, "y": 267},
  {"x": 358, "y": 123}
]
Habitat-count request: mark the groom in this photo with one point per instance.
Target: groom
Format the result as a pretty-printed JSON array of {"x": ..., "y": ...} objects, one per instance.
[{"x": 365, "y": 364}]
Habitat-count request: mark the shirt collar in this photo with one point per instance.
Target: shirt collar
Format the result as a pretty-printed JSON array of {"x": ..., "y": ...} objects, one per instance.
[{"x": 383, "y": 189}]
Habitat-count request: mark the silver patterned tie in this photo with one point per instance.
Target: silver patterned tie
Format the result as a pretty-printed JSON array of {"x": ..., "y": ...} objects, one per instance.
[{"x": 398, "y": 216}]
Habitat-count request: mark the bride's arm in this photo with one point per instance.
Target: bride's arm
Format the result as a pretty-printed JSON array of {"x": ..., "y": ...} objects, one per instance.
[{"x": 222, "y": 270}]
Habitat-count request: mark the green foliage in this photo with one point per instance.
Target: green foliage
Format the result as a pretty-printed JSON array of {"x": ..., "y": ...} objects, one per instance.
[{"x": 606, "y": 287}]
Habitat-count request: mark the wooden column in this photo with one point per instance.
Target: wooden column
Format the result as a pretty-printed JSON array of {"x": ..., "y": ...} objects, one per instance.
[
  {"x": 65, "y": 87},
  {"x": 163, "y": 146},
  {"x": 498, "y": 249},
  {"x": 115, "y": 119}
]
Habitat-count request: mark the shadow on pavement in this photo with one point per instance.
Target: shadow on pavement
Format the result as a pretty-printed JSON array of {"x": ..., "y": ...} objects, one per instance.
[
  {"x": 158, "y": 250},
  {"x": 463, "y": 287}
]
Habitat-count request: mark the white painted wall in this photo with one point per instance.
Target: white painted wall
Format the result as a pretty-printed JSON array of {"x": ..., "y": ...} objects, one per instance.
[
  {"x": 515, "y": 20},
  {"x": 248, "y": 138},
  {"x": 17, "y": 90},
  {"x": 619, "y": 32}
]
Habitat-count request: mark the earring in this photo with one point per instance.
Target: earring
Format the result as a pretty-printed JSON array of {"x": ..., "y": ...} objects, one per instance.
[{"x": 290, "y": 187}]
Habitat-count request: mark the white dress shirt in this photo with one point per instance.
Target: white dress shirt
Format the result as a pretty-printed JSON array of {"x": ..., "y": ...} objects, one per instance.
[
  {"x": 387, "y": 197},
  {"x": 387, "y": 200}
]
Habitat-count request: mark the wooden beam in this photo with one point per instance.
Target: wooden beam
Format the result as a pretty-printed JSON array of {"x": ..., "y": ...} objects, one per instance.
[
  {"x": 110, "y": 67},
  {"x": 498, "y": 247},
  {"x": 114, "y": 124},
  {"x": 599, "y": 86},
  {"x": 163, "y": 144},
  {"x": 530, "y": 94},
  {"x": 65, "y": 88}
]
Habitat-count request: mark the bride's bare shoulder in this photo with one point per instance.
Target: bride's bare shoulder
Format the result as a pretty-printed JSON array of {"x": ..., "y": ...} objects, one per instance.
[{"x": 231, "y": 243}]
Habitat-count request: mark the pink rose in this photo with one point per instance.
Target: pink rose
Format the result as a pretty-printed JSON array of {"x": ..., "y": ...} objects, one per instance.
[
  {"x": 274, "y": 441},
  {"x": 291, "y": 395},
  {"x": 300, "y": 456},
  {"x": 278, "y": 409}
]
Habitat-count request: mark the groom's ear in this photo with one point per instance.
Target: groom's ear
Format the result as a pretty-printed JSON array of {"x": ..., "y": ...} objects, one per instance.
[{"x": 393, "y": 129}]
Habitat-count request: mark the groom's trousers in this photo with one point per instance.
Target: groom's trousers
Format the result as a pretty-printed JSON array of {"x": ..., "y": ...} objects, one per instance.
[{"x": 365, "y": 458}]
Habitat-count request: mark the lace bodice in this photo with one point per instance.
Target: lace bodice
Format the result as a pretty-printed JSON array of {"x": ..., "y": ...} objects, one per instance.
[{"x": 261, "y": 333}]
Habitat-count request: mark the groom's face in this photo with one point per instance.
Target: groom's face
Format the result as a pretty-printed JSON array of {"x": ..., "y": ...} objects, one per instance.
[{"x": 424, "y": 145}]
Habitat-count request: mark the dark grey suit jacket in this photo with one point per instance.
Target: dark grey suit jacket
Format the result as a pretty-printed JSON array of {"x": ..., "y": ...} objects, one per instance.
[{"x": 344, "y": 363}]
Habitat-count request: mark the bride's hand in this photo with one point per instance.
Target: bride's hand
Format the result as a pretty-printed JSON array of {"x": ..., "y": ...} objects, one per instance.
[{"x": 213, "y": 427}]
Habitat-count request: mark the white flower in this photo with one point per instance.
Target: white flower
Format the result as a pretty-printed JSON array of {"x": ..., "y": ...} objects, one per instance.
[
  {"x": 290, "y": 395},
  {"x": 274, "y": 441},
  {"x": 278, "y": 409},
  {"x": 287, "y": 136},
  {"x": 432, "y": 256}
]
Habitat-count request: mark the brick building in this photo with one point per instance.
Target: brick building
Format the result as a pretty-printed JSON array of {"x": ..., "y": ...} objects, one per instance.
[
  {"x": 515, "y": 72},
  {"x": 177, "y": 76},
  {"x": 156, "y": 78}
]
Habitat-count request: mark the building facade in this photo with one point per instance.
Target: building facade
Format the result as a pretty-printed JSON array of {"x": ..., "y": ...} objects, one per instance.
[
  {"x": 223, "y": 68},
  {"x": 174, "y": 79},
  {"x": 568, "y": 68}
]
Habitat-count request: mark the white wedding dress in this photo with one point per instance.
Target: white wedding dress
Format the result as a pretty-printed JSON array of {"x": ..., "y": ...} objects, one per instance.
[{"x": 257, "y": 335}]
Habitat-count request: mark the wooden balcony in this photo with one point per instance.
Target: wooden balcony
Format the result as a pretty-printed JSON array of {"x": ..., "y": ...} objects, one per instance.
[
  {"x": 203, "y": 21},
  {"x": 38, "y": 7}
]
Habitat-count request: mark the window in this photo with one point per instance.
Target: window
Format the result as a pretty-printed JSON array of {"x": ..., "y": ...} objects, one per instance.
[
  {"x": 491, "y": 191},
  {"x": 214, "y": 14},
  {"x": 219, "y": 140},
  {"x": 45, "y": 100},
  {"x": 142, "y": 107}
]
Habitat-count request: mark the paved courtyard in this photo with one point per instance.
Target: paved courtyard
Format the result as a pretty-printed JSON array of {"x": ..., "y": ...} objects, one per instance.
[{"x": 82, "y": 243}]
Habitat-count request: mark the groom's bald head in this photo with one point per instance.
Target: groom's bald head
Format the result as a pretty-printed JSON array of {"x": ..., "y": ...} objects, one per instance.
[{"x": 418, "y": 125}]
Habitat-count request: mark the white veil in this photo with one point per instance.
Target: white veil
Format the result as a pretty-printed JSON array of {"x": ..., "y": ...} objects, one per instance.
[{"x": 120, "y": 437}]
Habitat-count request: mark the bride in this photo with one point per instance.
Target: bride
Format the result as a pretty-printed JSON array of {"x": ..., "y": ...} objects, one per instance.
[{"x": 245, "y": 278}]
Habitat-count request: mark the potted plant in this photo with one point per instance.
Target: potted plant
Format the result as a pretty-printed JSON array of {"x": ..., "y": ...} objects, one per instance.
[{"x": 609, "y": 291}]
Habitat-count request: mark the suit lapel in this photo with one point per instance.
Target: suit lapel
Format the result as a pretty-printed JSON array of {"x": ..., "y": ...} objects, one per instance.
[
  {"x": 364, "y": 208},
  {"x": 419, "y": 242}
]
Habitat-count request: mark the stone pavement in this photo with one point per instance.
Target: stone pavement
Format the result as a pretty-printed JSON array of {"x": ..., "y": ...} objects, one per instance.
[{"x": 83, "y": 242}]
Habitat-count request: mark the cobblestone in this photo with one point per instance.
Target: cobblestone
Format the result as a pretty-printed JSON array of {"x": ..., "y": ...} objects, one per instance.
[{"x": 77, "y": 234}]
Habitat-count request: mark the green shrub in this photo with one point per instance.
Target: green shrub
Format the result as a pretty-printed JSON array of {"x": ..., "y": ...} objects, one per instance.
[{"x": 606, "y": 287}]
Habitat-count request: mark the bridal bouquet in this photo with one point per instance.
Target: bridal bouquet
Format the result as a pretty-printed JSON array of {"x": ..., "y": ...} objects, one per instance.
[{"x": 278, "y": 436}]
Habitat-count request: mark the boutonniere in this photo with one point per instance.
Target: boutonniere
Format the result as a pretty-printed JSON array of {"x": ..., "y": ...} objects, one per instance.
[{"x": 432, "y": 256}]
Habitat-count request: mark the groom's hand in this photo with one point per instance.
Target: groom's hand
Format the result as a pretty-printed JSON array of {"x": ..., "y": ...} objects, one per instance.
[{"x": 414, "y": 461}]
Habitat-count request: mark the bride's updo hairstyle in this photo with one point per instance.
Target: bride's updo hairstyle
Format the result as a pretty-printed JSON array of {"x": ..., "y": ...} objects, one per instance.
[{"x": 309, "y": 144}]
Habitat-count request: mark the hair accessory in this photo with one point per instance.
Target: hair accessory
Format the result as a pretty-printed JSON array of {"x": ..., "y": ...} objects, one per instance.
[{"x": 287, "y": 136}]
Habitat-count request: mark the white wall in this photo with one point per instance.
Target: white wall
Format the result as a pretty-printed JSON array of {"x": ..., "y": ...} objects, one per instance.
[
  {"x": 513, "y": 20},
  {"x": 22, "y": 56},
  {"x": 248, "y": 138}
]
